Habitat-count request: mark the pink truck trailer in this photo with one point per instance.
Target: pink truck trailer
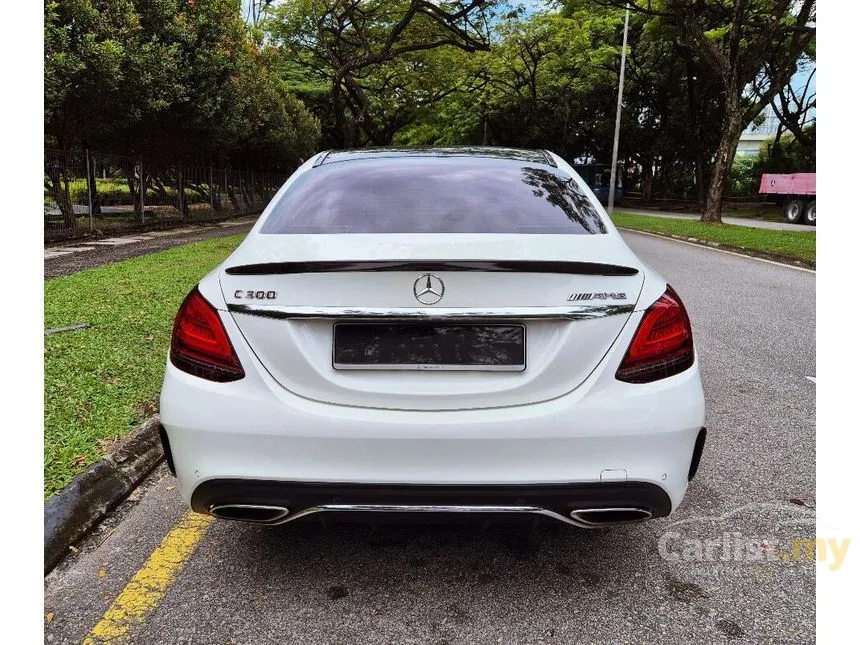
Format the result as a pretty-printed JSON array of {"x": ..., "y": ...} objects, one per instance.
[{"x": 796, "y": 194}]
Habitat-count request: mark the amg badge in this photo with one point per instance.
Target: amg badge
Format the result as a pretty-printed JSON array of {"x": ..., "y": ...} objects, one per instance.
[{"x": 597, "y": 296}]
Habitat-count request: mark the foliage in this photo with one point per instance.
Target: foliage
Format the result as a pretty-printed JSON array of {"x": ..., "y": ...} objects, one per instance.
[
  {"x": 374, "y": 56},
  {"x": 195, "y": 79},
  {"x": 749, "y": 48},
  {"x": 116, "y": 191},
  {"x": 547, "y": 82},
  {"x": 135, "y": 76},
  {"x": 102, "y": 381}
]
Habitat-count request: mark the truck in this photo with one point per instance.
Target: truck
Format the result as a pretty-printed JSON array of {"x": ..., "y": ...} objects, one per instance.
[{"x": 795, "y": 193}]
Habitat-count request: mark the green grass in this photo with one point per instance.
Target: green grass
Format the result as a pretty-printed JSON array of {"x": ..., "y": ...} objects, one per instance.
[
  {"x": 795, "y": 245},
  {"x": 102, "y": 381}
]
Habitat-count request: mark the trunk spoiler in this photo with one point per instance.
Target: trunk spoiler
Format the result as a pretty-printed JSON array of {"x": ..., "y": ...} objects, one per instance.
[{"x": 522, "y": 266}]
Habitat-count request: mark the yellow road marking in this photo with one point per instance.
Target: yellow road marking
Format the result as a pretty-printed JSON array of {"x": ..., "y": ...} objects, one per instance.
[{"x": 149, "y": 585}]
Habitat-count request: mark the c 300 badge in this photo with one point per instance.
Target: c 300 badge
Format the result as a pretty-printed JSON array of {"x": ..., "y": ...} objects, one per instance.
[{"x": 242, "y": 294}]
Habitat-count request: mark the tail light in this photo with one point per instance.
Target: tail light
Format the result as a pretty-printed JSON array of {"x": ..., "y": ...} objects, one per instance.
[
  {"x": 200, "y": 345},
  {"x": 662, "y": 345}
]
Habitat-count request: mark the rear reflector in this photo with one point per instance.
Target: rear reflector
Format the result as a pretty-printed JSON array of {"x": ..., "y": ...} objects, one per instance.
[
  {"x": 200, "y": 345},
  {"x": 662, "y": 345}
]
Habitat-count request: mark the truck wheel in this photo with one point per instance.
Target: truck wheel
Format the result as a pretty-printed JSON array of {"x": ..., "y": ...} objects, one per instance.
[
  {"x": 793, "y": 211},
  {"x": 809, "y": 213}
]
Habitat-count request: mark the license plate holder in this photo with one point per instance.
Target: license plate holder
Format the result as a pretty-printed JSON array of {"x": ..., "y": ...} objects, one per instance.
[{"x": 429, "y": 346}]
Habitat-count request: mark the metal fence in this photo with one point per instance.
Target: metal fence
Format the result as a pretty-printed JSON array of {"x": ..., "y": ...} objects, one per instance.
[{"x": 88, "y": 192}]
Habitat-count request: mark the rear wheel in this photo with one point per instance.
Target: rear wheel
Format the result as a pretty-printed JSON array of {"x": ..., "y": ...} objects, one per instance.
[
  {"x": 793, "y": 211},
  {"x": 809, "y": 213}
]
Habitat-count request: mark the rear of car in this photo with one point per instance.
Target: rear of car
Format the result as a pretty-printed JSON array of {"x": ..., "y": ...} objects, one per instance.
[{"x": 453, "y": 330}]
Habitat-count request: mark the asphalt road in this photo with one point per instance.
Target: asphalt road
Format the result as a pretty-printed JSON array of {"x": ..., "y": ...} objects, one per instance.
[{"x": 646, "y": 583}]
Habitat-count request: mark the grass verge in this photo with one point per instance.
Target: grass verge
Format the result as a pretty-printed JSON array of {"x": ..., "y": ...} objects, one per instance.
[
  {"x": 102, "y": 381},
  {"x": 787, "y": 245}
]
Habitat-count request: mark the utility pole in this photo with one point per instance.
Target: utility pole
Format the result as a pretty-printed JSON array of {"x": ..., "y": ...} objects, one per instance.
[
  {"x": 142, "y": 191},
  {"x": 614, "y": 169},
  {"x": 90, "y": 186}
]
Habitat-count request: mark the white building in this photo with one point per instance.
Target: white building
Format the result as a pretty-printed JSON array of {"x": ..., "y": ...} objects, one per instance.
[
  {"x": 752, "y": 138},
  {"x": 754, "y": 135}
]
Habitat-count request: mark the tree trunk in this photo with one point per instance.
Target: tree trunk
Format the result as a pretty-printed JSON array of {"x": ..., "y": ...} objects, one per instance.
[
  {"x": 693, "y": 114},
  {"x": 132, "y": 188},
  {"x": 360, "y": 106},
  {"x": 231, "y": 195},
  {"x": 215, "y": 194},
  {"x": 732, "y": 129},
  {"x": 342, "y": 128},
  {"x": 700, "y": 178},
  {"x": 647, "y": 181},
  {"x": 59, "y": 189}
]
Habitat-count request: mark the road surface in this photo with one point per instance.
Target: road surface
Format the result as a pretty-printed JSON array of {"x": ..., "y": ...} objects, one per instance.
[
  {"x": 739, "y": 221},
  {"x": 710, "y": 573}
]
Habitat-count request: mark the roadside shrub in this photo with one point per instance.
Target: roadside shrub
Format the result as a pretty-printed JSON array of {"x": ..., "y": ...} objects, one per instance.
[
  {"x": 109, "y": 190},
  {"x": 113, "y": 191}
]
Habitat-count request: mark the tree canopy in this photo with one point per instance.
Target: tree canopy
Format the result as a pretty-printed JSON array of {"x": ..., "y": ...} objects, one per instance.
[
  {"x": 180, "y": 77},
  {"x": 269, "y": 82}
]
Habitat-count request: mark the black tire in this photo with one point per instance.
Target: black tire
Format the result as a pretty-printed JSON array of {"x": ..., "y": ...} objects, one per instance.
[
  {"x": 809, "y": 213},
  {"x": 793, "y": 211}
]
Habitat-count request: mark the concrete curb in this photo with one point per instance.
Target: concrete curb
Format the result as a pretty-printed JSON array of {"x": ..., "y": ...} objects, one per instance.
[{"x": 90, "y": 496}]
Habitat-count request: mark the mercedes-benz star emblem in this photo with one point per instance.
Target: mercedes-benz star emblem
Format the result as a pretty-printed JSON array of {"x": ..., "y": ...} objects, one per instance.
[{"x": 428, "y": 289}]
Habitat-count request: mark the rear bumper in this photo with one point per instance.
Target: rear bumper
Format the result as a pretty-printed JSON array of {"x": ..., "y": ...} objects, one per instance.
[
  {"x": 214, "y": 436},
  {"x": 276, "y": 502},
  {"x": 602, "y": 435}
]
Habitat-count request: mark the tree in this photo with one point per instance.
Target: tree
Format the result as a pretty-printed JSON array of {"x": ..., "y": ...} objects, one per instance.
[
  {"x": 751, "y": 47},
  {"x": 354, "y": 46},
  {"x": 166, "y": 78},
  {"x": 549, "y": 82},
  {"x": 100, "y": 74},
  {"x": 794, "y": 106},
  {"x": 546, "y": 82},
  {"x": 672, "y": 110},
  {"x": 146, "y": 76}
]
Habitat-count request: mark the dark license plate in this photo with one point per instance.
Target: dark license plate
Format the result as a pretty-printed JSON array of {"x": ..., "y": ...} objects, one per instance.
[{"x": 429, "y": 346}]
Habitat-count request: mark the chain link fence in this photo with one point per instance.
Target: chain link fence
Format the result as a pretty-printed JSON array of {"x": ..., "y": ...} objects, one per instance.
[{"x": 87, "y": 192}]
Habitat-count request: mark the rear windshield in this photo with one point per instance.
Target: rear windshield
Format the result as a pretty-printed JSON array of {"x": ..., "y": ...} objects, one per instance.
[{"x": 427, "y": 195}]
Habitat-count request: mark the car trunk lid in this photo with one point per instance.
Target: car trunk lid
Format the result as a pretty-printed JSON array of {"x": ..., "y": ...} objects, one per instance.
[{"x": 571, "y": 293}]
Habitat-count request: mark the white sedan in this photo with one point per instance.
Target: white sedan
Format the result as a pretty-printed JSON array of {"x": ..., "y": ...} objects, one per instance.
[{"x": 456, "y": 330}]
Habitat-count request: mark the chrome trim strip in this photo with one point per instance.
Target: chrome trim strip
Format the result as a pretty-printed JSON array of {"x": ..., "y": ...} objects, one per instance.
[
  {"x": 400, "y": 508},
  {"x": 574, "y": 312}
]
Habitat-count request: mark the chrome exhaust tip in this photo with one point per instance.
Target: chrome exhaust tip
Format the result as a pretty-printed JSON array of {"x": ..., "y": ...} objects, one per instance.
[
  {"x": 609, "y": 516},
  {"x": 258, "y": 513}
]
